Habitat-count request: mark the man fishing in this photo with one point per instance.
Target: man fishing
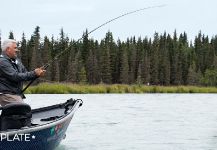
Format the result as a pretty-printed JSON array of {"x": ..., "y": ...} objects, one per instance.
[{"x": 13, "y": 73}]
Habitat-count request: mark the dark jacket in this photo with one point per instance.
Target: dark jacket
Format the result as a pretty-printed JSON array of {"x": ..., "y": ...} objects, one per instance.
[{"x": 12, "y": 75}]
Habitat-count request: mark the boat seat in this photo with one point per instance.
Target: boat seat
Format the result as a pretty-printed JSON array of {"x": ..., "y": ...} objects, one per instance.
[{"x": 15, "y": 116}]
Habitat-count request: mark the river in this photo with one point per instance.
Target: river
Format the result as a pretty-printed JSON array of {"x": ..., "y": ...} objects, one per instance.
[{"x": 138, "y": 121}]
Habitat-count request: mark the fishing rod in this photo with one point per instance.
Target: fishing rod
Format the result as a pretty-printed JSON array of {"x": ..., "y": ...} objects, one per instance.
[{"x": 107, "y": 22}]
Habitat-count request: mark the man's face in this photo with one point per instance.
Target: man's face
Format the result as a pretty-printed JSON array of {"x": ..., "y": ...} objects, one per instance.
[{"x": 12, "y": 51}]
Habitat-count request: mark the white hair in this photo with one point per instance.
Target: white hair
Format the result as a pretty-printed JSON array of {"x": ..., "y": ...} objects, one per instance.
[{"x": 7, "y": 43}]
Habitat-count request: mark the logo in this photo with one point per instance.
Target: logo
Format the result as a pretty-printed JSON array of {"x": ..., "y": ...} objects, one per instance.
[
  {"x": 56, "y": 129},
  {"x": 16, "y": 137},
  {"x": 56, "y": 132}
]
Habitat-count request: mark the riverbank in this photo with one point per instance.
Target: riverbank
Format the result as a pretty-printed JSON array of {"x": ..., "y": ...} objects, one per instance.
[{"x": 65, "y": 88}]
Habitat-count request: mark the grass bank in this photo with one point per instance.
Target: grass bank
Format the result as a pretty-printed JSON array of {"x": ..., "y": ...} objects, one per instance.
[{"x": 60, "y": 88}]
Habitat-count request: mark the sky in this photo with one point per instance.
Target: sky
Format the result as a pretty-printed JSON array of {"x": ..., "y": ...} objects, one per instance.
[{"x": 75, "y": 16}]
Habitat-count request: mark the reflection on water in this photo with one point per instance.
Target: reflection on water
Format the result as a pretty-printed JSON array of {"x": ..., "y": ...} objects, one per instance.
[{"x": 139, "y": 121}]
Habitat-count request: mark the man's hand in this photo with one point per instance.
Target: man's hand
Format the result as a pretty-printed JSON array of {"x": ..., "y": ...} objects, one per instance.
[{"x": 40, "y": 72}]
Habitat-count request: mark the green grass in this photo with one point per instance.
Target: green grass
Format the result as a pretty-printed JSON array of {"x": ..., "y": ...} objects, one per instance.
[{"x": 65, "y": 88}]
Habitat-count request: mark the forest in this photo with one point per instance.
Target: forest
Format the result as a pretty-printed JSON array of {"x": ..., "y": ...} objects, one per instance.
[{"x": 164, "y": 59}]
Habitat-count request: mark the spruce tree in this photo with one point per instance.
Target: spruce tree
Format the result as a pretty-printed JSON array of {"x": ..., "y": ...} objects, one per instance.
[
  {"x": 85, "y": 46},
  {"x": 145, "y": 68},
  {"x": 11, "y": 35},
  {"x": 79, "y": 68},
  {"x": 105, "y": 64},
  {"x": 46, "y": 57},
  {"x": 154, "y": 61},
  {"x": 183, "y": 46},
  {"x": 132, "y": 62},
  {"x": 110, "y": 44},
  {"x": 82, "y": 76},
  {"x": 71, "y": 75},
  {"x": 62, "y": 46},
  {"x": 124, "y": 67},
  {"x": 164, "y": 64},
  {"x": 139, "y": 75},
  {"x": 24, "y": 52},
  {"x": 193, "y": 77},
  {"x": 179, "y": 80},
  {"x": 92, "y": 68},
  {"x": 55, "y": 72},
  {"x": 172, "y": 45},
  {"x": 214, "y": 64},
  {"x": 36, "y": 59},
  {"x": 214, "y": 43}
]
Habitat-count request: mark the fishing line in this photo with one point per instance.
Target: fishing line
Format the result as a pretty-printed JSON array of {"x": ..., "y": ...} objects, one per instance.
[
  {"x": 107, "y": 22},
  {"x": 128, "y": 13}
]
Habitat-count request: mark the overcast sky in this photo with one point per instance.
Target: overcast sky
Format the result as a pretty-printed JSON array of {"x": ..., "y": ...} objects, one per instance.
[{"x": 74, "y": 16}]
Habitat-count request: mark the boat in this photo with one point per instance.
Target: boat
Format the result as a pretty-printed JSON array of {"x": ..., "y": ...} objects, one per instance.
[{"x": 23, "y": 128}]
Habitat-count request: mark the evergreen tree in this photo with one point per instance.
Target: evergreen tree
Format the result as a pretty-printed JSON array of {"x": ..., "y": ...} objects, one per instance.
[
  {"x": 92, "y": 68},
  {"x": 62, "y": 47},
  {"x": 193, "y": 76},
  {"x": 132, "y": 62},
  {"x": 110, "y": 44},
  {"x": 145, "y": 68},
  {"x": 173, "y": 55},
  {"x": 11, "y": 35},
  {"x": 214, "y": 64},
  {"x": 214, "y": 43},
  {"x": 210, "y": 54},
  {"x": 183, "y": 46},
  {"x": 79, "y": 68},
  {"x": 30, "y": 45},
  {"x": 82, "y": 76},
  {"x": 165, "y": 60},
  {"x": 105, "y": 64},
  {"x": 124, "y": 67},
  {"x": 55, "y": 72},
  {"x": 210, "y": 77},
  {"x": 139, "y": 75},
  {"x": 154, "y": 61},
  {"x": 85, "y": 46},
  {"x": 180, "y": 56},
  {"x": 119, "y": 59},
  {"x": 46, "y": 57},
  {"x": 164, "y": 65},
  {"x": 71, "y": 76},
  {"x": 36, "y": 60},
  {"x": 140, "y": 46},
  {"x": 24, "y": 52},
  {"x": 201, "y": 44}
]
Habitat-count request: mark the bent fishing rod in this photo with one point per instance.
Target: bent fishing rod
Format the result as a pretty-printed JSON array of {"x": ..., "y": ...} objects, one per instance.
[{"x": 107, "y": 22}]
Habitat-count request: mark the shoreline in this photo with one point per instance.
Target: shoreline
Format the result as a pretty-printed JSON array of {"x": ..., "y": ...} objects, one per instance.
[{"x": 69, "y": 88}]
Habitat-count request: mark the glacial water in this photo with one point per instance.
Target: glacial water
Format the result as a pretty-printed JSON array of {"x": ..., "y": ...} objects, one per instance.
[{"x": 138, "y": 121}]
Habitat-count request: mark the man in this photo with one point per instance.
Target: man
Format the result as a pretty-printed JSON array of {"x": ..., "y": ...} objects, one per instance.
[{"x": 13, "y": 73}]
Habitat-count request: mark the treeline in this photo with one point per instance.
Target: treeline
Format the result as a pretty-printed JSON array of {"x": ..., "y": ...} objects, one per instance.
[{"x": 162, "y": 60}]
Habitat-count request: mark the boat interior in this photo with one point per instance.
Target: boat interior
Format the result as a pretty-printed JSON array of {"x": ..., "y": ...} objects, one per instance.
[{"x": 18, "y": 115}]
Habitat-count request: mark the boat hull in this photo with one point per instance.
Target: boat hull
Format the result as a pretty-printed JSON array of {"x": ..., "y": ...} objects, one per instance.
[{"x": 41, "y": 137}]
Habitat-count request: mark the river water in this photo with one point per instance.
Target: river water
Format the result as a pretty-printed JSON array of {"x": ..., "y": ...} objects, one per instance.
[{"x": 138, "y": 121}]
